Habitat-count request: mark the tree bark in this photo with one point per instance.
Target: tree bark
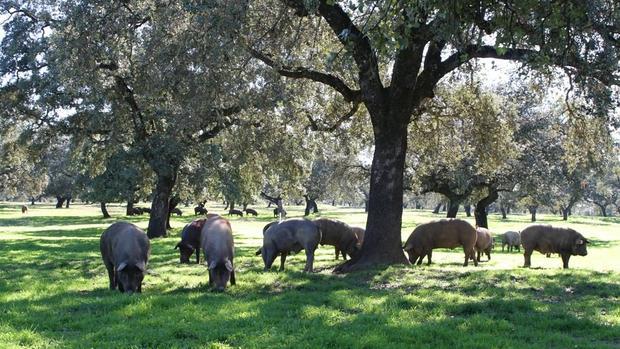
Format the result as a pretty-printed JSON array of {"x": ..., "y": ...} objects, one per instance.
[
  {"x": 159, "y": 207},
  {"x": 480, "y": 212},
  {"x": 310, "y": 206},
  {"x": 104, "y": 210},
  {"x": 437, "y": 208},
  {"x": 453, "y": 207},
  {"x": 533, "y": 210},
  {"x": 59, "y": 201},
  {"x": 67, "y": 202},
  {"x": 503, "y": 212},
  {"x": 467, "y": 209},
  {"x": 382, "y": 242},
  {"x": 32, "y": 201},
  {"x": 129, "y": 210},
  {"x": 565, "y": 214}
]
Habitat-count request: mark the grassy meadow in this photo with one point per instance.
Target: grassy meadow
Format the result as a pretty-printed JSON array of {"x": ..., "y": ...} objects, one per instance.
[{"x": 54, "y": 291}]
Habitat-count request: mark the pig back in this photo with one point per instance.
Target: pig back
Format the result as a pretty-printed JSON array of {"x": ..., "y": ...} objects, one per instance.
[
  {"x": 335, "y": 233},
  {"x": 548, "y": 239},
  {"x": 484, "y": 238},
  {"x": 191, "y": 232},
  {"x": 292, "y": 234},
  {"x": 445, "y": 233},
  {"x": 511, "y": 238},
  {"x": 124, "y": 242},
  {"x": 217, "y": 240}
]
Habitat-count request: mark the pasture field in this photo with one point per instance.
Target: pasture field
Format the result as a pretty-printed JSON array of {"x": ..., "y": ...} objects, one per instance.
[{"x": 54, "y": 291}]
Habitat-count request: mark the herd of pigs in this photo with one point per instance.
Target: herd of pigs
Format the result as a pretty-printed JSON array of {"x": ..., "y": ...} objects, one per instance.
[{"x": 125, "y": 248}]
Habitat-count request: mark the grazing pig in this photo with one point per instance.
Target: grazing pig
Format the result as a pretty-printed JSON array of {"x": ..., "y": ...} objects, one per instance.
[
  {"x": 190, "y": 240},
  {"x": 249, "y": 211},
  {"x": 339, "y": 235},
  {"x": 484, "y": 242},
  {"x": 290, "y": 236},
  {"x": 512, "y": 239},
  {"x": 359, "y": 233},
  {"x": 217, "y": 244},
  {"x": 24, "y": 209},
  {"x": 212, "y": 215},
  {"x": 235, "y": 212},
  {"x": 125, "y": 252},
  {"x": 445, "y": 233},
  {"x": 547, "y": 239},
  {"x": 200, "y": 210},
  {"x": 176, "y": 211}
]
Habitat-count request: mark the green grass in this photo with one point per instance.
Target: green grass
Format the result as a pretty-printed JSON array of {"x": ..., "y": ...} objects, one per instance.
[{"x": 53, "y": 292}]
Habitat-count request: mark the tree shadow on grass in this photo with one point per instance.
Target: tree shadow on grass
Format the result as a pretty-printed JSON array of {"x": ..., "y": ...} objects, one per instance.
[{"x": 318, "y": 312}]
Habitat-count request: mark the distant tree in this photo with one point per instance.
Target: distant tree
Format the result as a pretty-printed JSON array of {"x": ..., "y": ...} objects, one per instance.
[{"x": 125, "y": 178}]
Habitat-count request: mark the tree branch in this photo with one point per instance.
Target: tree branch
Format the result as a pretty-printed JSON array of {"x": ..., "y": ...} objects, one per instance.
[
  {"x": 314, "y": 126},
  {"x": 333, "y": 81}
]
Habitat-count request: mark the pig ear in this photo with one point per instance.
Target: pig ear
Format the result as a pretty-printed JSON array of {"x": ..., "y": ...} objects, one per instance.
[
  {"x": 228, "y": 265},
  {"x": 141, "y": 266},
  {"x": 121, "y": 266},
  {"x": 212, "y": 265},
  {"x": 580, "y": 241}
]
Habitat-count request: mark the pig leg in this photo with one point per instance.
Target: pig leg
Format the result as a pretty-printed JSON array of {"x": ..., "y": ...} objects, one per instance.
[
  {"x": 282, "y": 260},
  {"x": 419, "y": 259},
  {"x": 211, "y": 277},
  {"x": 473, "y": 253},
  {"x": 198, "y": 255},
  {"x": 468, "y": 254},
  {"x": 337, "y": 252},
  {"x": 309, "y": 261},
  {"x": 479, "y": 253},
  {"x": 488, "y": 253},
  {"x": 528, "y": 258},
  {"x": 111, "y": 276},
  {"x": 232, "y": 277},
  {"x": 565, "y": 258},
  {"x": 429, "y": 255}
]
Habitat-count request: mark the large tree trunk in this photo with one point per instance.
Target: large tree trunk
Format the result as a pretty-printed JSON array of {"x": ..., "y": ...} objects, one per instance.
[
  {"x": 453, "y": 207},
  {"x": 104, "y": 210},
  {"x": 480, "y": 212},
  {"x": 503, "y": 212},
  {"x": 533, "y": 210},
  {"x": 32, "y": 201},
  {"x": 129, "y": 210},
  {"x": 565, "y": 213},
  {"x": 437, "y": 208},
  {"x": 68, "y": 202},
  {"x": 159, "y": 207},
  {"x": 382, "y": 242},
  {"x": 467, "y": 209},
  {"x": 310, "y": 206},
  {"x": 59, "y": 201}
]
